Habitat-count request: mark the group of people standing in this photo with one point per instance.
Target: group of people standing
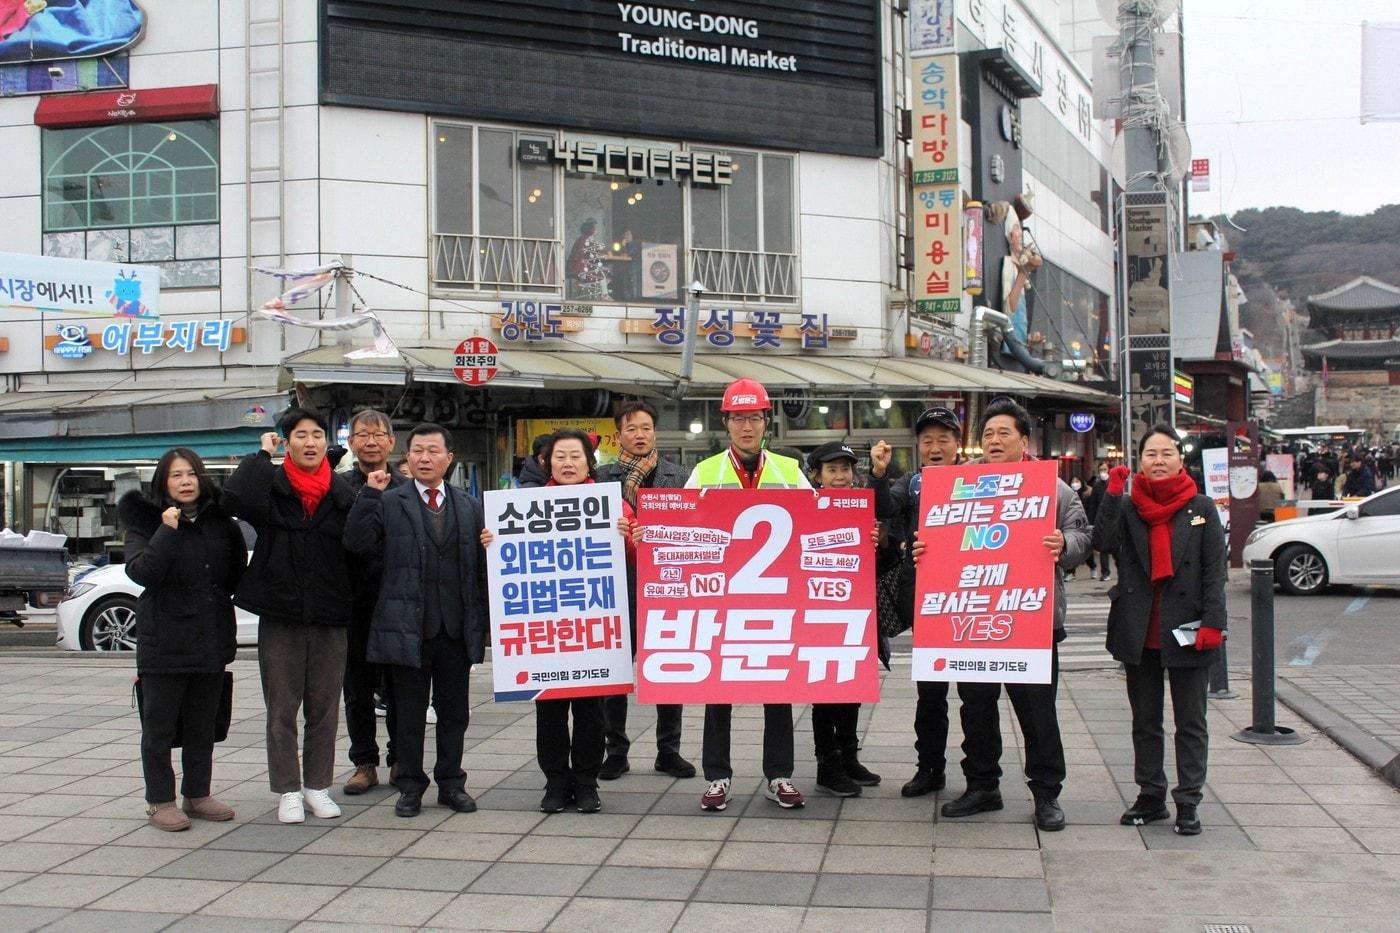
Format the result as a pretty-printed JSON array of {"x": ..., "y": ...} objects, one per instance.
[{"x": 370, "y": 580}]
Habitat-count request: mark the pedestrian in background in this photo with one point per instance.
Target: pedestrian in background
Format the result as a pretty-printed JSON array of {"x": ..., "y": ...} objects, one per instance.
[
  {"x": 299, "y": 586},
  {"x": 640, "y": 466},
  {"x": 189, "y": 555},
  {"x": 570, "y": 759},
  {"x": 1171, "y": 575},
  {"x": 372, "y": 442},
  {"x": 430, "y": 621},
  {"x": 1091, "y": 511}
]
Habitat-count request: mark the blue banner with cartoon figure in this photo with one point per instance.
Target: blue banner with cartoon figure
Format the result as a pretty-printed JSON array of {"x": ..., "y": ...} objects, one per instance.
[
  {"x": 49, "y": 30},
  {"x": 79, "y": 286}
]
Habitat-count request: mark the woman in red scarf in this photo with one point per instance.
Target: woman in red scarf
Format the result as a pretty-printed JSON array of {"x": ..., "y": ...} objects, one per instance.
[{"x": 1171, "y": 555}]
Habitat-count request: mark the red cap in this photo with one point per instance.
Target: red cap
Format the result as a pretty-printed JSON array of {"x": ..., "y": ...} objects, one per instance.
[{"x": 745, "y": 395}]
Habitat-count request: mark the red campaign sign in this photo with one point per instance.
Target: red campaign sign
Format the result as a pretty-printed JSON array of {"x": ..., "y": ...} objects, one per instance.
[
  {"x": 474, "y": 361},
  {"x": 756, "y": 596},
  {"x": 988, "y": 614}
]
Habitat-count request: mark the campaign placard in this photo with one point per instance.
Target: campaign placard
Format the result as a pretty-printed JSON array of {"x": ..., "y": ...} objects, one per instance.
[
  {"x": 756, "y": 596},
  {"x": 557, "y": 575},
  {"x": 984, "y": 600}
]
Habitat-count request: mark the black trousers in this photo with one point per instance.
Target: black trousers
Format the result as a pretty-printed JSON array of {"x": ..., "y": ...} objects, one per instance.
[
  {"x": 191, "y": 702},
  {"x": 668, "y": 726},
  {"x": 445, "y": 676},
  {"x": 931, "y": 725},
  {"x": 1146, "y": 697},
  {"x": 834, "y": 728},
  {"x": 1040, "y": 727},
  {"x": 777, "y": 741},
  {"x": 362, "y": 681},
  {"x": 569, "y": 759}
]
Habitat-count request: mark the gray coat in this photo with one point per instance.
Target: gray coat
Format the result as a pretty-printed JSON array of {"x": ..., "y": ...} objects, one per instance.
[
  {"x": 391, "y": 522},
  {"x": 1195, "y": 591},
  {"x": 667, "y": 475}
]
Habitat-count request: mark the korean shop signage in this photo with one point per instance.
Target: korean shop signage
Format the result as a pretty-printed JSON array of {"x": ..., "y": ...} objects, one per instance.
[
  {"x": 77, "y": 341},
  {"x": 639, "y": 162}
]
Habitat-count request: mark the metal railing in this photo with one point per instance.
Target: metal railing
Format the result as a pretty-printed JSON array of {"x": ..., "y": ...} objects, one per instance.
[
  {"x": 497, "y": 263},
  {"x": 735, "y": 275}
]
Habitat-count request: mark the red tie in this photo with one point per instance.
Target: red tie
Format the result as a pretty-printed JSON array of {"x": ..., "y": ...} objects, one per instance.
[{"x": 432, "y": 499}]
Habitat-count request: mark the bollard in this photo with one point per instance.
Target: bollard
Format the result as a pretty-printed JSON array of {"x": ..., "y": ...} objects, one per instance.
[
  {"x": 1218, "y": 686},
  {"x": 1261, "y": 640}
]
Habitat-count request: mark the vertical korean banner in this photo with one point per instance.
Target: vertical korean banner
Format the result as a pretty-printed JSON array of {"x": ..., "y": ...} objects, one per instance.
[
  {"x": 984, "y": 599},
  {"x": 758, "y": 596},
  {"x": 557, "y": 575},
  {"x": 938, "y": 250},
  {"x": 1215, "y": 471}
]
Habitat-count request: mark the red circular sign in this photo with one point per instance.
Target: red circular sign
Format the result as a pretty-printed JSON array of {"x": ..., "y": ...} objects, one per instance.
[
  {"x": 474, "y": 361},
  {"x": 926, "y": 343}
]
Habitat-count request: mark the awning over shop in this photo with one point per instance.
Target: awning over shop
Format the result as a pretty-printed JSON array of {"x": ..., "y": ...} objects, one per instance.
[
  {"x": 234, "y": 442},
  {"x": 660, "y": 373},
  {"x": 96, "y": 414}
]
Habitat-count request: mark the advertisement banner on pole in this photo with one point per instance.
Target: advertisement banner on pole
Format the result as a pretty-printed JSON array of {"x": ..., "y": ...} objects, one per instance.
[
  {"x": 759, "y": 596},
  {"x": 557, "y": 576},
  {"x": 984, "y": 598},
  {"x": 1215, "y": 468}
]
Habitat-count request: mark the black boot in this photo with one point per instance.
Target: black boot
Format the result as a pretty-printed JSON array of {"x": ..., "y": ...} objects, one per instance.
[
  {"x": 858, "y": 772},
  {"x": 832, "y": 777},
  {"x": 924, "y": 781}
]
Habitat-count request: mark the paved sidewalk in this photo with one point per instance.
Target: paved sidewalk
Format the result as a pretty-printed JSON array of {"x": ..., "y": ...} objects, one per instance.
[
  {"x": 1301, "y": 838},
  {"x": 1358, "y": 706}
]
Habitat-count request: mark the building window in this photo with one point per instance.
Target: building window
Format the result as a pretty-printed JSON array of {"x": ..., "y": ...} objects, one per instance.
[
  {"x": 140, "y": 192},
  {"x": 494, "y": 226},
  {"x": 626, "y": 239},
  {"x": 745, "y": 245},
  {"x": 1074, "y": 317}
]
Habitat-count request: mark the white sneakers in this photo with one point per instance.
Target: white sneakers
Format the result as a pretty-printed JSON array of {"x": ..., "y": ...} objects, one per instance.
[
  {"x": 320, "y": 803},
  {"x": 291, "y": 807}
]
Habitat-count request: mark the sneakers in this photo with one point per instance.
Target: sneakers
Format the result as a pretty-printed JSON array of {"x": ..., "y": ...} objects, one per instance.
[
  {"x": 972, "y": 801},
  {"x": 860, "y": 773},
  {"x": 207, "y": 808},
  {"x": 716, "y": 796},
  {"x": 784, "y": 794},
  {"x": 555, "y": 799},
  {"x": 832, "y": 778},
  {"x": 432, "y": 716},
  {"x": 613, "y": 768},
  {"x": 290, "y": 808},
  {"x": 365, "y": 777},
  {"x": 586, "y": 799},
  {"x": 1049, "y": 818},
  {"x": 167, "y": 817},
  {"x": 924, "y": 781},
  {"x": 320, "y": 803},
  {"x": 1187, "y": 823},
  {"x": 1145, "y": 810},
  {"x": 1104, "y": 577}
]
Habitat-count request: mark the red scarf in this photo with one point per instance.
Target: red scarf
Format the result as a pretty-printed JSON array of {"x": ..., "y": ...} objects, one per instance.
[
  {"x": 310, "y": 486},
  {"x": 1158, "y": 501}
]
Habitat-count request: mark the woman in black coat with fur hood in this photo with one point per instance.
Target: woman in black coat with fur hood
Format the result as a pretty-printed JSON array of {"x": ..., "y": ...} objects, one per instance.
[{"x": 189, "y": 555}]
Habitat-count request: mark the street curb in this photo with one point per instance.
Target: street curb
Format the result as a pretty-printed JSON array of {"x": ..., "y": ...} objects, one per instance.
[{"x": 1371, "y": 751}]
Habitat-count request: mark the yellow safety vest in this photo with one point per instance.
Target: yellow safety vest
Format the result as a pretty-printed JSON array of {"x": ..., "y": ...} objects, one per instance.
[{"x": 717, "y": 472}]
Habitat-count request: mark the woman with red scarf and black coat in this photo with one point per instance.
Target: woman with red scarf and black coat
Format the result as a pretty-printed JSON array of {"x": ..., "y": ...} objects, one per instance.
[
  {"x": 298, "y": 584},
  {"x": 1171, "y": 555}
]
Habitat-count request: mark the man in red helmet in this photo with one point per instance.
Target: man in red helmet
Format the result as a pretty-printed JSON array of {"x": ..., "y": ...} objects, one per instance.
[{"x": 747, "y": 411}]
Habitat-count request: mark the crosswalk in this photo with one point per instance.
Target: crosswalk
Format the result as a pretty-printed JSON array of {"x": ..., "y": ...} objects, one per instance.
[{"x": 1086, "y": 624}]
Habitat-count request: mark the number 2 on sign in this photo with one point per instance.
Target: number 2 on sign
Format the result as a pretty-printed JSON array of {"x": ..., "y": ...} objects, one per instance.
[{"x": 749, "y": 578}]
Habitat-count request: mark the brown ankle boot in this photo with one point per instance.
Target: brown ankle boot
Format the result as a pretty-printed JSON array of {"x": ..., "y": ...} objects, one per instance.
[
  {"x": 167, "y": 817},
  {"x": 365, "y": 777},
  {"x": 207, "y": 808}
]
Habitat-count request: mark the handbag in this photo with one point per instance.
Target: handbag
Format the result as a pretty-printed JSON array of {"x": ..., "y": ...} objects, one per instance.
[
  {"x": 890, "y": 613},
  {"x": 222, "y": 719}
]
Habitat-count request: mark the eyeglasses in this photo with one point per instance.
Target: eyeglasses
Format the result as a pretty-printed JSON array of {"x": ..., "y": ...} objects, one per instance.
[
  {"x": 370, "y": 435},
  {"x": 747, "y": 419}
]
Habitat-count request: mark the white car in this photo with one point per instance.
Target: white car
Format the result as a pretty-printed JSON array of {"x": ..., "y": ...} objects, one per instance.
[
  {"x": 99, "y": 613},
  {"x": 1359, "y": 544}
]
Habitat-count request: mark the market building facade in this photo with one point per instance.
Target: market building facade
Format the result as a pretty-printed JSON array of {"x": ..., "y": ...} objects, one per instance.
[{"x": 580, "y": 186}]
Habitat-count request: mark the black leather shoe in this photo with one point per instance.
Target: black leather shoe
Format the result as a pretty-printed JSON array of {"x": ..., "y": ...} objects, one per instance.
[
  {"x": 1187, "y": 823},
  {"x": 673, "y": 764},
  {"x": 615, "y": 767},
  {"x": 1145, "y": 810},
  {"x": 1049, "y": 818},
  {"x": 457, "y": 798},
  {"x": 972, "y": 801},
  {"x": 586, "y": 799},
  {"x": 410, "y": 803},
  {"x": 555, "y": 799},
  {"x": 860, "y": 773},
  {"x": 924, "y": 781}
]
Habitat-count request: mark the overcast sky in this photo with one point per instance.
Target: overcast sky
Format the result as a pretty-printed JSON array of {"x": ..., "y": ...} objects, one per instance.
[{"x": 1273, "y": 100}]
